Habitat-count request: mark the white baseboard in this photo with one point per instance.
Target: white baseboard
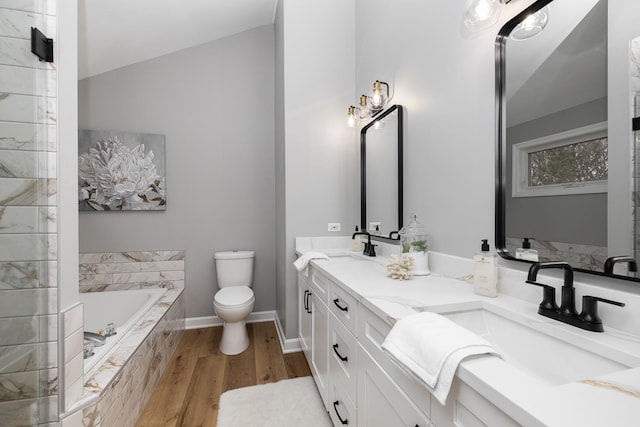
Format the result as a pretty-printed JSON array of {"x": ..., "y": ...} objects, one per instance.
[{"x": 288, "y": 345}]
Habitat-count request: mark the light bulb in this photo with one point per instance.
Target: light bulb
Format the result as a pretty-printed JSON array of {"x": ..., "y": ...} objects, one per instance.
[
  {"x": 532, "y": 25},
  {"x": 378, "y": 98},
  {"x": 364, "y": 111},
  {"x": 351, "y": 117},
  {"x": 480, "y": 14}
]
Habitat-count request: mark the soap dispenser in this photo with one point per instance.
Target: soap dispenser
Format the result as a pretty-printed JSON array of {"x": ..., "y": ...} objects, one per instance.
[
  {"x": 525, "y": 252},
  {"x": 356, "y": 241},
  {"x": 414, "y": 243},
  {"x": 485, "y": 271}
]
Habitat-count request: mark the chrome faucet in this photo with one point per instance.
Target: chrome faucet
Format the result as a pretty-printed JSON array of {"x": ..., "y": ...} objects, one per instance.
[
  {"x": 369, "y": 248},
  {"x": 588, "y": 319},
  {"x": 611, "y": 261},
  {"x": 96, "y": 339}
]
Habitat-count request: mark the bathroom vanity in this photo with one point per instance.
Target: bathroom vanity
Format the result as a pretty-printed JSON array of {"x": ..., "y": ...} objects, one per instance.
[{"x": 549, "y": 374}]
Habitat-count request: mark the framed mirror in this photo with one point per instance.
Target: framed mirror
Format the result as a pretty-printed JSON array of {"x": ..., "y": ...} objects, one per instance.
[
  {"x": 381, "y": 172},
  {"x": 553, "y": 146}
]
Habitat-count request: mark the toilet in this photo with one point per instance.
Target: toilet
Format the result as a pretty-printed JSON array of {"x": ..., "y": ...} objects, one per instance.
[{"x": 235, "y": 300}]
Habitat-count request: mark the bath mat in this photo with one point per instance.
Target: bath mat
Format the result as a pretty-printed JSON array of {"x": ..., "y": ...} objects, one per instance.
[{"x": 295, "y": 402}]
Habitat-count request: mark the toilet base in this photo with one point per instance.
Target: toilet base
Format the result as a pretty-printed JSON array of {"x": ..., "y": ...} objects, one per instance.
[{"x": 235, "y": 338}]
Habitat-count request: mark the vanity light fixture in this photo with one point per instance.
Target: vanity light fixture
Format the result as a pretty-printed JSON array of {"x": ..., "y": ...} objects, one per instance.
[
  {"x": 481, "y": 14},
  {"x": 369, "y": 106},
  {"x": 532, "y": 25}
]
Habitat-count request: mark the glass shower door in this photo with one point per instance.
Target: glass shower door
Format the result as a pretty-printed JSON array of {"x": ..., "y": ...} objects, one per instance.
[{"x": 29, "y": 387}]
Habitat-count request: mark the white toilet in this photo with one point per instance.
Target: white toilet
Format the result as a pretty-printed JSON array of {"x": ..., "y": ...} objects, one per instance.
[{"x": 234, "y": 301}]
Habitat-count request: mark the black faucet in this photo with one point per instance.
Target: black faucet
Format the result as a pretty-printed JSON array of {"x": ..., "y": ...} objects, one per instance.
[
  {"x": 588, "y": 319},
  {"x": 369, "y": 248},
  {"x": 611, "y": 261}
]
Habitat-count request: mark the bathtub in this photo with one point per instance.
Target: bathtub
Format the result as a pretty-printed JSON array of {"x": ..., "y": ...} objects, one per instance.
[{"x": 122, "y": 308}]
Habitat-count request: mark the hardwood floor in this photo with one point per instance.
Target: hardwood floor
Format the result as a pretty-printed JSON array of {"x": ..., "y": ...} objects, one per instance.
[{"x": 189, "y": 390}]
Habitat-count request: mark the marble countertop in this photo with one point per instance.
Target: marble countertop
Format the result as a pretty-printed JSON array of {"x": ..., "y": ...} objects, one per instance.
[{"x": 612, "y": 399}]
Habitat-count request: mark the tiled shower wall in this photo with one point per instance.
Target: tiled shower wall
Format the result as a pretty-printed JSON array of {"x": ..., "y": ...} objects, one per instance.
[
  {"x": 28, "y": 229},
  {"x": 635, "y": 107}
]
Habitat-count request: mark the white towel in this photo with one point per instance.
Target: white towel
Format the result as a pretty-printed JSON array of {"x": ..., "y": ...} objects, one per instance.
[
  {"x": 430, "y": 347},
  {"x": 302, "y": 263}
]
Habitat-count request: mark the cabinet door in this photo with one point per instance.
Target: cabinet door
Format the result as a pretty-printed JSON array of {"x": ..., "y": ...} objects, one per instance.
[
  {"x": 380, "y": 402},
  {"x": 320, "y": 346},
  {"x": 304, "y": 316}
]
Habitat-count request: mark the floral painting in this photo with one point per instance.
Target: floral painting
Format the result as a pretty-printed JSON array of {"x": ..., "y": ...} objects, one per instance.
[{"x": 121, "y": 171}]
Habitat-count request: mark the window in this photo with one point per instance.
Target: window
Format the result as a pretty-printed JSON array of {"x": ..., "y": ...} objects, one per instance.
[{"x": 572, "y": 162}]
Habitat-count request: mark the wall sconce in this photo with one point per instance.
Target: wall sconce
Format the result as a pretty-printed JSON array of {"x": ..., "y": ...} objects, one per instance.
[
  {"x": 371, "y": 105},
  {"x": 532, "y": 25},
  {"x": 481, "y": 14}
]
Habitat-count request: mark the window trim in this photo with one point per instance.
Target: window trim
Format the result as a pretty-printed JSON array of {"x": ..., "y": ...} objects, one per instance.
[{"x": 520, "y": 163}]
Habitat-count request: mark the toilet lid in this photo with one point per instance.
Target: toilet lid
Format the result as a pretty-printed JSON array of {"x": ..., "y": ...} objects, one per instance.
[{"x": 233, "y": 296}]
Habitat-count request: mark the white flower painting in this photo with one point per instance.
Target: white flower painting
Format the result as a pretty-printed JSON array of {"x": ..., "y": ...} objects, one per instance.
[{"x": 120, "y": 171}]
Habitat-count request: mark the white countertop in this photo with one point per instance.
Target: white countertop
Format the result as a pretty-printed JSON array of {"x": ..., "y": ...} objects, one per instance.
[{"x": 611, "y": 400}]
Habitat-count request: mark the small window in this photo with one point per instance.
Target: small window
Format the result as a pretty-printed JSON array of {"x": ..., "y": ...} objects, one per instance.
[{"x": 572, "y": 162}]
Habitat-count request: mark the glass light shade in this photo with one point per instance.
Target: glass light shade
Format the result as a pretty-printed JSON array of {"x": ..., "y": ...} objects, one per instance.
[
  {"x": 351, "y": 117},
  {"x": 532, "y": 25},
  {"x": 378, "y": 97},
  {"x": 379, "y": 124},
  {"x": 363, "y": 110},
  {"x": 480, "y": 14}
]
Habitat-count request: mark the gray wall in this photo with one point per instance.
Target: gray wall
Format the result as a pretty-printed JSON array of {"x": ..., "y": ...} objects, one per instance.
[
  {"x": 214, "y": 104},
  {"x": 579, "y": 218}
]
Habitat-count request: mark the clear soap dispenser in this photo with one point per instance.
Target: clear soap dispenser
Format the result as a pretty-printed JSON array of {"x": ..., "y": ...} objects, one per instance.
[
  {"x": 485, "y": 271},
  {"x": 414, "y": 242},
  {"x": 525, "y": 252}
]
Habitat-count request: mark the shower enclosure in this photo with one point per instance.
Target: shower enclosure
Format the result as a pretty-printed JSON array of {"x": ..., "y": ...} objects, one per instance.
[{"x": 29, "y": 350}]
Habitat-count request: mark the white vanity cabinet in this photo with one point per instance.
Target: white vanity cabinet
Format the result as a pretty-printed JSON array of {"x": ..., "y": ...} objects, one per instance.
[{"x": 304, "y": 315}]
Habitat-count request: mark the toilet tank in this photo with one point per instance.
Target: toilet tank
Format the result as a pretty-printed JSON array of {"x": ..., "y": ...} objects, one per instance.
[{"x": 234, "y": 268}]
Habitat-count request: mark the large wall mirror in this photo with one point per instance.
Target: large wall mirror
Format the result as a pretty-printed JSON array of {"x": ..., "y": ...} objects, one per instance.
[
  {"x": 381, "y": 173},
  {"x": 553, "y": 144}
]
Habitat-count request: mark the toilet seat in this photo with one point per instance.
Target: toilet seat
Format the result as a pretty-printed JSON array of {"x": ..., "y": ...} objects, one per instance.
[{"x": 235, "y": 296}]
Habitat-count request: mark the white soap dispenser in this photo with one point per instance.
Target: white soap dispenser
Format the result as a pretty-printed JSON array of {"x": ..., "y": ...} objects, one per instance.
[
  {"x": 356, "y": 241},
  {"x": 525, "y": 252},
  {"x": 485, "y": 271}
]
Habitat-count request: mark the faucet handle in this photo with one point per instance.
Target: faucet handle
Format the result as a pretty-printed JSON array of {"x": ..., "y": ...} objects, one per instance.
[
  {"x": 548, "y": 297},
  {"x": 590, "y": 311}
]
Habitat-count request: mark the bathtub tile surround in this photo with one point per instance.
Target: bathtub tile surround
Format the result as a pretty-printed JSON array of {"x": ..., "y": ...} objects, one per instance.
[
  {"x": 115, "y": 394},
  {"x": 73, "y": 354},
  {"x": 29, "y": 386},
  {"x": 115, "y": 271}
]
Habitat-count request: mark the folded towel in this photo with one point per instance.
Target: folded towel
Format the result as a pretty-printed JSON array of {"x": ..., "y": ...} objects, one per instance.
[
  {"x": 430, "y": 347},
  {"x": 302, "y": 263}
]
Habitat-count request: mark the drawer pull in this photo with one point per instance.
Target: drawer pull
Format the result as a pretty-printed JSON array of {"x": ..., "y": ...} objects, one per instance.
[
  {"x": 335, "y": 408},
  {"x": 306, "y": 302},
  {"x": 336, "y": 302},
  {"x": 341, "y": 357},
  {"x": 306, "y": 306}
]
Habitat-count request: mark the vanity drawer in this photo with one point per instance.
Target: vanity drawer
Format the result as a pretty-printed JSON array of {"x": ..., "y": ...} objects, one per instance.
[
  {"x": 343, "y": 347},
  {"x": 372, "y": 331},
  {"x": 341, "y": 408},
  {"x": 344, "y": 306},
  {"x": 320, "y": 285}
]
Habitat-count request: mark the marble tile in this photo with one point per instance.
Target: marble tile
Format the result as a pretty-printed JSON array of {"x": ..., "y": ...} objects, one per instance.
[
  {"x": 18, "y": 23},
  {"x": 28, "y": 357},
  {"x": 73, "y": 319},
  {"x": 21, "y": 108},
  {"x": 95, "y": 258},
  {"x": 28, "y": 385},
  {"x": 21, "y": 275},
  {"x": 27, "y": 81},
  {"x": 74, "y": 370},
  {"x": 95, "y": 279},
  {"x": 177, "y": 275},
  {"x": 27, "y": 219},
  {"x": 147, "y": 256},
  {"x": 28, "y": 192},
  {"x": 29, "y": 411},
  {"x": 150, "y": 276},
  {"x": 162, "y": 266},
  {"x": 24, "y": 247},
  {"x": 27, "y": 136},
  {"x": 110, "y": 268},
  {"x": 27, "y": 302},
  {"x": 74, "y": 345},
  {"x": 48, "y": 6}
]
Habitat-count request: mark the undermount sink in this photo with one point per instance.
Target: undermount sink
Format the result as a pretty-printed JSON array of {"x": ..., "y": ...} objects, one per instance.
[{"x": 550, "y": 353}]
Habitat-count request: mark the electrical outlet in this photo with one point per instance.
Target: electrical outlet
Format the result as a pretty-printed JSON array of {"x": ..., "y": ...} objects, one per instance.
[
  {"x": 333, "y": 226},
  {"x": 372, "y": 226}
]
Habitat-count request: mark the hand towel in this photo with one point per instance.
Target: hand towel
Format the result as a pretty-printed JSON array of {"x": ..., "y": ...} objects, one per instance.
[
  {"x": 302, "y": 263},
  {"x": 430, "y": 347}
]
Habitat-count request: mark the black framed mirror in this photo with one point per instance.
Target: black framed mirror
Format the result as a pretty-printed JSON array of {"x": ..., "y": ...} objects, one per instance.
[
  {"x": 553, "y": 147},
  {"x": 381, "y": 174}
]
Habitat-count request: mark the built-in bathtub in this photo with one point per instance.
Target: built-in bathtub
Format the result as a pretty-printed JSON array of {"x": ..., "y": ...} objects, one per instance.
[{"x": 122, "y": 308}]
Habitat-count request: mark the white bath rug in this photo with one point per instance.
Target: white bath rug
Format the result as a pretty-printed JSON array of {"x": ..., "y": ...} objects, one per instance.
[{"x": 295, "y": 402}]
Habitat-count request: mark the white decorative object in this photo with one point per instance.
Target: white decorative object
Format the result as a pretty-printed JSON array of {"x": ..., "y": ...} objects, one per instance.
[{"x": 399, "y": 267}]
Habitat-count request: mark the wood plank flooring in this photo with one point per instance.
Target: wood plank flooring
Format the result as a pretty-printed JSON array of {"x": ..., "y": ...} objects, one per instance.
[{"x": 189, "y": 390}]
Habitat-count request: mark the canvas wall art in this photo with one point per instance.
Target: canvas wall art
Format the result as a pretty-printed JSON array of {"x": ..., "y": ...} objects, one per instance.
[{"x": 121, "y": 171}]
